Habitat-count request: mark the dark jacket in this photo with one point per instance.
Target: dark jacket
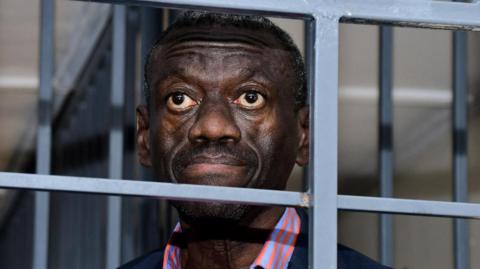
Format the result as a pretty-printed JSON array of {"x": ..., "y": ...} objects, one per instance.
[{"x": 347, "y": 258}]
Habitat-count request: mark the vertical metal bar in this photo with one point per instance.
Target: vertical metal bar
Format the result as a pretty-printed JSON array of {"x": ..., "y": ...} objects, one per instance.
[
  {"x": 309, "y": 42},
  {"x": 460, "y": 164},
  {"x": 44, "y": 135},
  {"x": 131, "y": 165},
  {"x": 116, "y": 133},
  {"x": 385, "y": 135},
  {"x": 151, "y": 25},
  {"x": 324, "y": 135}
]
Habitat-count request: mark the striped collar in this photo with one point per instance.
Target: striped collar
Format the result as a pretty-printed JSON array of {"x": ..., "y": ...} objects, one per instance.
[{"x": 276, "y": 251}]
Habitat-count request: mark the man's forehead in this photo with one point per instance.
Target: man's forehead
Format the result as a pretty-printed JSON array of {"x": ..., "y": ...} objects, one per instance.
[
  {"x": 218, "y": 50},
  {"x": 207, "y": 64},
  {"x": 221, "y": 51},
  {"x": 187, "y": 47}
]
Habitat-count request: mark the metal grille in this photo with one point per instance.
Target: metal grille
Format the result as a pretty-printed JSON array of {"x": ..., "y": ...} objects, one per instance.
[{"x": 322, "y": 199}]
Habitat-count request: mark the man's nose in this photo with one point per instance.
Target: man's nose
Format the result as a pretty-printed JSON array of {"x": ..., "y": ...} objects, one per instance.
[{"x": 214, "y": 123}]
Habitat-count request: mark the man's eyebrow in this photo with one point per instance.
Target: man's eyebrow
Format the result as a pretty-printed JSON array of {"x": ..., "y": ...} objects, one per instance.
[
  {"x": 247, "y": 73},
  {"x": 175, "y": 73},
  {"x": 243, "y": 74}
]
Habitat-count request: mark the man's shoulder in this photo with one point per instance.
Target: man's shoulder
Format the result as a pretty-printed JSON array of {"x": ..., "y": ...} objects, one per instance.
[
  {"x": 349, "y": 258},
  {"x": 151, "y": 260}
]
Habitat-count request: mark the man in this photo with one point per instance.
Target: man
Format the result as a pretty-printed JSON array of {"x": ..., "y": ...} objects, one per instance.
[{"x": 226, "y": 106}]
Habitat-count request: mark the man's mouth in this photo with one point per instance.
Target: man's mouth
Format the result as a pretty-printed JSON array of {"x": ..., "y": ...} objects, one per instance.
[
  {"x": 202, "y": 169},
  {"x": 215, "y": 164},
  {"x": 216, "y": 159},
  {"x": 217, "y": 170},
  {"x": 218, "y": 165}
]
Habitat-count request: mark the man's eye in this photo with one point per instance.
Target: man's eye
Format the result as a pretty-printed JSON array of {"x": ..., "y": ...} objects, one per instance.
[
  {"x": 179, "y": 101},
  {"x": 250, "y": 100}
]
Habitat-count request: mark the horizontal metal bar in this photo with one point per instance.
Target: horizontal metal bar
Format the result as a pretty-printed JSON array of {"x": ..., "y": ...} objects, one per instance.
[
  {"x": 286, "y": 8},
  {"x": 415, "y": 13},
  {"x": 153, "y": 189},
  {"x": 232, "y": 195},
  {"x": 409, "y": 206}
]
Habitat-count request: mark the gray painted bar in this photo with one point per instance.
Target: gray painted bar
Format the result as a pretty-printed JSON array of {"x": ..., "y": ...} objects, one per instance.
[
  {"x": 385, "y": 134},
  {"x": 44, "y": 133},
  {"x": 426, "y": 14},
  {"x": 203, "y": 193},
  {"x": 323, "y": 139},
  {"x": 459, "y": 134},
  {"x": 114, "y": 218}
]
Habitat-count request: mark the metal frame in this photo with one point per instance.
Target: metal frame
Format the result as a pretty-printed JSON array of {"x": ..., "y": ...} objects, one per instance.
[
  {"x": 459, "y": 134},
  {"x": 323, "y": 157},
  {"x": 323, "y": 17},
  {"x": 385, "y": 142},
  {"x": 117, "y": 102},
  {"x": 233, "y": 195},
  {"x": 44, "y": 133},
  {"x": 430, "y": 14}
]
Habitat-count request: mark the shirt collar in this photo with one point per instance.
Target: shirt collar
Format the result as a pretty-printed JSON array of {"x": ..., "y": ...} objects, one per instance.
[{"x": 276, "y": 251}]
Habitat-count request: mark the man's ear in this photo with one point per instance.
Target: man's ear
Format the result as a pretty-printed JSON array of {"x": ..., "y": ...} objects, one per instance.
[
  {"x": 143, "y": 135},
  {"x": 303, "y": 123}
]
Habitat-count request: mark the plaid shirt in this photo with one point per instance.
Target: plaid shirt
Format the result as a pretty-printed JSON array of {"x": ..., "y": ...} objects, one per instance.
[
  {"x": 286, "y": 247},
  {"x": 276, "y": 251}
]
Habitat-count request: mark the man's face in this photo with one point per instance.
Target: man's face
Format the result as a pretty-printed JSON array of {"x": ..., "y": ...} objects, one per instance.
[{"x": 222, "y": 113}]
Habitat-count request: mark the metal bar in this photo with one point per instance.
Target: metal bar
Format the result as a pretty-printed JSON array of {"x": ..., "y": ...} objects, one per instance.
[
  {"x": 309, "y": 50},
  {"x": 323, "y": 138},
  {"x": 296, "y": 9},
  {"x": 202, "y": 193},
  {"x": 152, "y": 25},
  {"x": 409, "y": 206},
  {"x": 151, "y": 28},
  {"x": 430, "y": 14},
  {"x": 385, "y": 129},
  {"x": 460, "y": 162},
  {"x": 44, "y": 135},
  {"x": 129, "y": 208},
  {"x": 153, "y": 189},
  {"x": 114, "y": 218},
  {"x": 425, "y": 14}
]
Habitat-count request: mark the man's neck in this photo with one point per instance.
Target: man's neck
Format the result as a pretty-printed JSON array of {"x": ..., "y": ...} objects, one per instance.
[{"x": 217, "y": 246}]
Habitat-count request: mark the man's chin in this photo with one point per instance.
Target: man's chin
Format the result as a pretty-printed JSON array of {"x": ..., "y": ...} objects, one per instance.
[{"x": 206, "y": 213}]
